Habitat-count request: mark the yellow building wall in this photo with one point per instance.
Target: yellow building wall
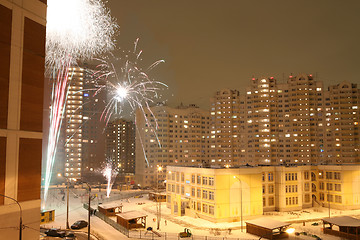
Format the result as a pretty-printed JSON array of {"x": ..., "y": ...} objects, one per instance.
[{"x": 228, "y": 196}]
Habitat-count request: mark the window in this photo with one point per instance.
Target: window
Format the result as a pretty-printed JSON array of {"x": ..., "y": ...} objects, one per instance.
[
  {"x": 204, "y": 180},
  {"x": 198, "y": 193},
  {"x": 192, "y": 178},
  {"x": 291, "y": 188},
  {"x": 290, "y": 176},
  {"x": 211, "y": 195},
  {"x": 338, "y": 199},
  {"x": 263, "y": 189},
  {"x": 307, "y": 186},
  {"x": 306, "y": 175},
  {"x": 263, "y": 177},
  {"x": 198, "y": 179},
  {"x": 329, "y": 186},
  {"x": 270, "y": 177},
  {"x": 271, "y": 201},
  {"x": 271, "y": 188},
  {"x": 205, "y": 194},
  {"x": 264, "y": 202},
  {"x": 211, "y": 210},
  {"x": 338, "y": 187},
  {"x": 321, "y": 185},
  {"x": 321, "y": 175},
  {"x": 193, "y": 192},
  {"x": 182, "y": 177},
  {"x": 177, "y": 188},
  {"x": 337, "y": 175},
  {"x": 211, "y": 181},
  {"x": 328, "y": 175},
  {"x": 307, "y": 198},
  {"x": 173, "y": 188},
  {"x": 205, "y": 208},
  {"x": 329, "y": 198},
  {"x": 322, "y": 196},
  {"x": 182, "y": 190},
  {"x": 199, "y": 206},
  {"x": 169, "y": 187},
  {"x": 177, "y": 177}
]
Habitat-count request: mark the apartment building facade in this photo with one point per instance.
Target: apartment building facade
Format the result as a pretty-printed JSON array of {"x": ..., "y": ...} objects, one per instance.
[
  {"x": 219, "y": 194},
  {"x": 297, "y": 122},
  {"x": 165, "y": 135},
  {"x": 120, "y": 145},
  {"x": 22, "y": 66},
  {"x": 73, "y": 121}
]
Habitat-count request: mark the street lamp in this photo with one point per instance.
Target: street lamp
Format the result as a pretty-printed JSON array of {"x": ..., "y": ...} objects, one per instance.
[
  {"x": 88, "y": 207},
  {"x": 159, "y": 168},
  {"x": 67, "y": 200},
  {"x": 241, "y": 207},
  {"x": 20, "y": 224}
]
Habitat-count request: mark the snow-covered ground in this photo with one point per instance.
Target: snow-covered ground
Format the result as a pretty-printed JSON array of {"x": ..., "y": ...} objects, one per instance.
[{"x": 171, "y": 224}]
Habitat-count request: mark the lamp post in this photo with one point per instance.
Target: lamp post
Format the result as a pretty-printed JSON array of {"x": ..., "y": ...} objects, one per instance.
[
  {"x": 20, "y": 224},
  {"x": 67, "y": 200},
  {"x": 159, "y": 168},
  {"x": 88, "y": 207},
  {"x": 241, "y": 207}
]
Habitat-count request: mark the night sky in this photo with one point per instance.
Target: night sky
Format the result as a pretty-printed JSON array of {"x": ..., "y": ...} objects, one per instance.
[{"x": 210, "y": 45}]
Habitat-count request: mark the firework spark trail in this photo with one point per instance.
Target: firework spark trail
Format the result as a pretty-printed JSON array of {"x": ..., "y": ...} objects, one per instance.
[
  {"x": 109, "y": 172},
  {"x": 56, "y": 115},
  {"x": 76, "y": 30}
]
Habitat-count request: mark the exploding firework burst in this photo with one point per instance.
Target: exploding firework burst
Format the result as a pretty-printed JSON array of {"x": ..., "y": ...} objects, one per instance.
[
  {"x": 76, "y": 29},
  {"x": 127, "y": 85}
]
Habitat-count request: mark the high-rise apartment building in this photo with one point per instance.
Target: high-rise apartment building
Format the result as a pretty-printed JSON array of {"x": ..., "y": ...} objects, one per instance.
[
  {"x": 342, "y": 103},
  {"x": 169, "y": 136},
  {"x": 120, "y": 145},
  {"x": 297, "y": 122},
  {"x": 73, "y": 121},
  {"x": 22, "y": 56},
  {"x": 225, "y": 127},
  {"x": 93, "y": 126}
]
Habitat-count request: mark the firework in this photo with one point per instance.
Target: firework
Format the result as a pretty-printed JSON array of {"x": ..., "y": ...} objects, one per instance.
[
  {"x": 127, "y": 84},
  {"x": 76, "y": 30},
  {"x": 109, "y": 172}
]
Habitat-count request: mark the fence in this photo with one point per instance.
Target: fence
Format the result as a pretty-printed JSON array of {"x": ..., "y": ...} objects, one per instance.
[
  {"x": 109, "y": 221},
  {"x": 154, "y": 235}
]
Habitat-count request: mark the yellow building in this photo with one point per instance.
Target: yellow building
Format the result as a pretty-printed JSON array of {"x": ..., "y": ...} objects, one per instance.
[
  {"x": 215, "y": 194},
  {"x": 219, "y": 194}
]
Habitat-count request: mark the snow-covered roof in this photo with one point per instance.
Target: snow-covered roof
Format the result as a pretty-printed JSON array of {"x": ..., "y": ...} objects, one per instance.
[
  {"x": 131, "y": 215},
  {"x": 343, "y": 221},
  {"x": 110, "y": 205},
  {"x": 268, "y": 223}
]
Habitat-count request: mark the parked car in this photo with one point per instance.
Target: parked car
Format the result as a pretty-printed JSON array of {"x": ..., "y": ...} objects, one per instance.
[
  {"x": 79, "y": 224},
  {"x": 54, "y": 232},
  {"x": 70, "y": 236}
]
